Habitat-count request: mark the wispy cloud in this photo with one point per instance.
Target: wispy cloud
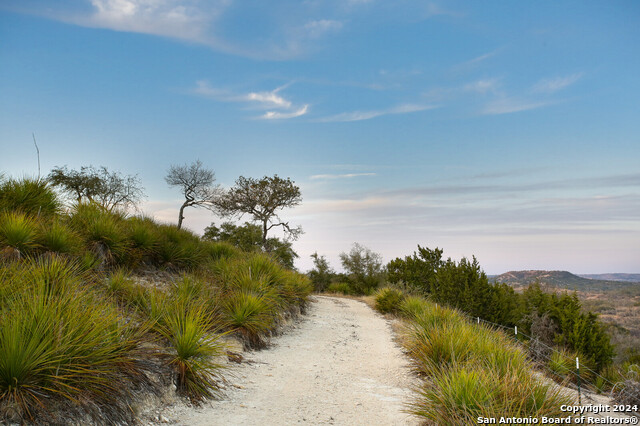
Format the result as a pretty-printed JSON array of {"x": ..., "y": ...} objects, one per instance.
[
  {"x": 265, "y": 100},
  {"x": 270, "y": 99},
  {"x": 341, "y": 176},
  {"x": 477, "y": 61},
  {"x": 367, "y": 115},
  {"x": 182, "y": 19},
  {"x": 555, "y": 84},
  {"x": 318, "y": 28},
  {"x": 510, "y": 105},
  {"x": 276, "y": 115}
]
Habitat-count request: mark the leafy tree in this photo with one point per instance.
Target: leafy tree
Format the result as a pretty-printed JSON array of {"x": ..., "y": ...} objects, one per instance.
[
  {"x": 418, "y": 271},
  {"x": 111, "y": 190},
  {"x": 195, "y": 183},
  {"x": 363, "y": 267},
  {"x": 262, "y": 199},
  {"x": 322, "y": 273},
  {"x": 248, "y": 237}
]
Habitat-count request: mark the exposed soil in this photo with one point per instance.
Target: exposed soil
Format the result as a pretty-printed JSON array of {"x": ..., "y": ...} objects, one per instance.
[{"x": 338, "y": 365}]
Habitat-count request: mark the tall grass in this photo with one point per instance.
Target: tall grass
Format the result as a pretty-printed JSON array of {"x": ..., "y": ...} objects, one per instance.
[
  {"x": 60, "y": 342},
  {"x": 18, "y": 232},
  {"x": 388, "y": 300},
  {"x": 29, "y": 196},
  {"x": 104, "y": 232},
  {"x": 196, "y": 350},
  {"x": 471, "y": 371}
]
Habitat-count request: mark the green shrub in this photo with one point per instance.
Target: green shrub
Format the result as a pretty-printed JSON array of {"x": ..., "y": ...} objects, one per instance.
[
  {"x": 179, "y": 248},
  {"x": 340, "y": 288},
  {"x": 62, "y": 345},
  {"x": 196, "y": 351},
  {"x": 29, "y": 196},
  {"x": 412, "y": 307},
  {"x": 103, "y": 231},
  {"x": 250, "y": 316},
  {"x": 18, "y": 232},
  {"x": 220, "y": 250},
  {"x": 388, "y": 300},
  {"x": 57, "y": 237}
]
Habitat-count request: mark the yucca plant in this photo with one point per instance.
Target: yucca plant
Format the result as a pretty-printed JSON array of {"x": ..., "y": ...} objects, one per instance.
[
  {"x": 249, "y": 315},
  {"x": 195, "y": 351},
  {"x": 142, "y": 234},
  {"x": 18, "y": 232},
  {"x": 57, "y": 237},
  {"x": 30, "y": 196},
  {"x": 103, "y": 231},
  {"x": 220, "y": 250},
  {"x": 64, "y": 345},
  {"x": 388, "y": 300},
  {"x": 562, "y": 365},
  {"x": 412, "y": 307}
]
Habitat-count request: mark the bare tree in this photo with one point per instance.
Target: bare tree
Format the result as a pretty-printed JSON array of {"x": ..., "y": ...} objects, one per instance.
[
  {"x": 196, "y": 184},
  {"x": 262, "y": 199}
]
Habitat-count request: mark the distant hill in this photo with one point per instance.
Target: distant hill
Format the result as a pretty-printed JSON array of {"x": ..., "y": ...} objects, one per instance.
[
  {"x": 560, "y": 279},
  {"x": 613, "y": 277}
]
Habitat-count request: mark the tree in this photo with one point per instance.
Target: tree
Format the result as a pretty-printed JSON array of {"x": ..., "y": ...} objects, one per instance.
[
  {"x": 196, "y": 184},
  {"x": 248, "y": 237},
  {"x": 110, "y": 190},
  {"x": 364, "y": 268},
  {"x": 262, "y": 199},
  {"x": 322, "y": 273}
]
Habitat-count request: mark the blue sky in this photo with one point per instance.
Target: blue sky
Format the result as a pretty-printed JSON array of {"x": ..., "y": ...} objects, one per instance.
[{"x": 505, "y": 130}]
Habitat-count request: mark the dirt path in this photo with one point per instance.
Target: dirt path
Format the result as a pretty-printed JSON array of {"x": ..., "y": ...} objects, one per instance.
[{"x": 339, "y": 365}]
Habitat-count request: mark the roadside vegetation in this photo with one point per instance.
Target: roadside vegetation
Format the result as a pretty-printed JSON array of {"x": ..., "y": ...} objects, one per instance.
[
  {"x": 553, "y": 328},
  {"x": 99, "y": 308}
]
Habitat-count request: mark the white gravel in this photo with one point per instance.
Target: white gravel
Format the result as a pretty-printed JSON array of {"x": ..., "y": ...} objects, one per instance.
[{"x": 338, "y": 365}]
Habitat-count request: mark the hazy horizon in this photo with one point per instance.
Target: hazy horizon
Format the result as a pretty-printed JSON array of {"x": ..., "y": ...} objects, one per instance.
[{"x": 508, "y": 131}]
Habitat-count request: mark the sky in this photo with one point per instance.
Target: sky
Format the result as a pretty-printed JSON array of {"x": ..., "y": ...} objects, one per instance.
[{"x": 500, "y": 129}]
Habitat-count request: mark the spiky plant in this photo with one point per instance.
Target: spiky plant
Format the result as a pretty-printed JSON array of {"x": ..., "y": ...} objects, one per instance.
[
  {"x": 64, "y": 345},
  {"x": 249, "y": 315},
  {"x": 18, "y": 232},
  {"x": 195, "y": 351},
  {"x": 30, "y": 196},
  {"x": 58, "y": 237},
  {"x": 388, "y": 300}
]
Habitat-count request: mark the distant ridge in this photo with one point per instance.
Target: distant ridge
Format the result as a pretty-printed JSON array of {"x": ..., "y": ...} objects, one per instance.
[
  {"x": 613, "y": 277},
  {"x": 561, "y": 279}
]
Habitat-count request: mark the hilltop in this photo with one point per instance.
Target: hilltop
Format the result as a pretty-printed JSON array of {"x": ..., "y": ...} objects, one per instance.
[{"x": 560, "y": 279}]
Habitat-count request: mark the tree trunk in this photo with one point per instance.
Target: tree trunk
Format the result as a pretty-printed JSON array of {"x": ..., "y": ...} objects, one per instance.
[
  {"x": 181, "y": 216},
  {"x": 264, "y": 233}
]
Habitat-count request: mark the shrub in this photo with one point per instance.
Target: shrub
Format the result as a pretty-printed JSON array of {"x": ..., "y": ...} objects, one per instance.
[
  {"x": 64, "y": 345},
  {"x": 249, "y": 315},
  {"x": 29, "y": 196},
  {"x": 339, "y": 288},
  {"x": 388, "y": 300},
  {"x": 103, "y": 231},
  {"x": 195, "y": 350},
  {"x": 412, "y": 307},
  {"x": 57, "y": 237},
  {"x": 18, "y": 232}
]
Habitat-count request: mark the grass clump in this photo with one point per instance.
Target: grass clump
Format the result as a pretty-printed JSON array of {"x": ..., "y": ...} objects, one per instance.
[
  {"x": 18, "y": 234},
  {"x": 58, "y": 237},
  {"x": 29, "y": 196},
  {"x": 388, "y": 300},
  {"x": 195, "y": 348},
  {"x": 62, "y": 343},
  {"x": 250, "y": 316},
  {"x": 471, "y": 371}
]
